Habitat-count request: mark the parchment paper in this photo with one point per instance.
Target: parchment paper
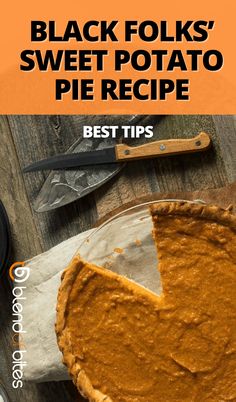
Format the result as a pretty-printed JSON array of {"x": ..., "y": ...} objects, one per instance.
[{"x": 124, "y": 245}]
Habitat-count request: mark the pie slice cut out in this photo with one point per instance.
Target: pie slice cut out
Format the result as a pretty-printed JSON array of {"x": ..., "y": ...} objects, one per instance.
[{"x": 123, "y": 343}]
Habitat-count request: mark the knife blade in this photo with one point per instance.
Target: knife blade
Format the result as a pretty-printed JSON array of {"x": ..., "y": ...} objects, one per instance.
[{"x": 122, "y": 153}]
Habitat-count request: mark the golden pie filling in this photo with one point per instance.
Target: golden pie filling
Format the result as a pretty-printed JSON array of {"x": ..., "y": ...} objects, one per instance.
[{"x": 123, "y": 343}]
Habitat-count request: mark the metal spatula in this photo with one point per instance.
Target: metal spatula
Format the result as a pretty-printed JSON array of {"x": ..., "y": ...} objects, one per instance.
[{"x": 65, "y": 186}]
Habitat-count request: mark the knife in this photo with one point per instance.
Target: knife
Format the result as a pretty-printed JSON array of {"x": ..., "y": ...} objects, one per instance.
[{"x": 122, "y": 153}]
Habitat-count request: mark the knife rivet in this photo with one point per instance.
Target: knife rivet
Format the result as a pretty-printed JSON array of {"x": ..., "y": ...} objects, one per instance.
[
  {"x": 162, "y": 147},
  {"x": 198, "y": 143},
  {"x": 126, "y": 152}
]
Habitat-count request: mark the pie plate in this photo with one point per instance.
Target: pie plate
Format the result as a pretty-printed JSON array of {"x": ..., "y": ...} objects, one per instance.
[{"x": 124, "y": 244}]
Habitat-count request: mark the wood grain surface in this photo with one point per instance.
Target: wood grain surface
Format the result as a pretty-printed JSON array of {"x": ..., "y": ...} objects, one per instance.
[
  {"x": 225, "y": 197},
  {"x": 28, "y": 138}
]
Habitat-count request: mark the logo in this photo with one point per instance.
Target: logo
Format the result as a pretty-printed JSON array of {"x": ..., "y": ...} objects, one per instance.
[{"x": 19, "y": 274}]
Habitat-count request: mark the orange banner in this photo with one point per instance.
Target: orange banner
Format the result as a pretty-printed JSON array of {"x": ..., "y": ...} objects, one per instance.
[{"x": 118, "y": 58}]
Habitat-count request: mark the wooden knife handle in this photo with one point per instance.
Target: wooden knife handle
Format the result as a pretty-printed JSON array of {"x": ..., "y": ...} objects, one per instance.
[{"x": 163, "y": 148}]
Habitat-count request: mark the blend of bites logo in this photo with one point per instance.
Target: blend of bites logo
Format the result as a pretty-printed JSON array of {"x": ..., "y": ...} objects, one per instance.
[{"x": 19, "y": 274}]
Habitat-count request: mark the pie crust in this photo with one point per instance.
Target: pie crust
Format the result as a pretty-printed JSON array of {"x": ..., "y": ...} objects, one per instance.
[{"x": 185, "y": 338}]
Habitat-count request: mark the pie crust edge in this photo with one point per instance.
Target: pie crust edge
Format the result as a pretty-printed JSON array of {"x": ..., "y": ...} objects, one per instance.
[{"x": 80, "y": 379}]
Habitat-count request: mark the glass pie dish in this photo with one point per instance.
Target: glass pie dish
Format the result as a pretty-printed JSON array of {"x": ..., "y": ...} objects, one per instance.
[
  {"x": 4, "y": 240},
  {"x": 3, "y": 394},
  {"x": 124, "y": 244}
]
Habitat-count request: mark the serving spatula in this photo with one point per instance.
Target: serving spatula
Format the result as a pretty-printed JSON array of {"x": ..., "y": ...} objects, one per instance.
[{"x": 62, "y": 187}]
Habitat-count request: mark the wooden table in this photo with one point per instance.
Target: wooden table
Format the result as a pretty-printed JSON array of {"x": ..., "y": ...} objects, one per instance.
[{"x": 28, "y": 138}]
